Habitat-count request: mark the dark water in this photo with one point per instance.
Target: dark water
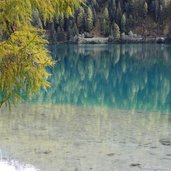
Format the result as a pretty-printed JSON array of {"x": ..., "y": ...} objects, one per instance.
[{"x": 134, "y": 77}]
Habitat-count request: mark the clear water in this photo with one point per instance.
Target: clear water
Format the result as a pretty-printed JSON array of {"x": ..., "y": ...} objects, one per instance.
[
  {"x": 133, "y": 77},
  {"x": 108, "y": 110}
]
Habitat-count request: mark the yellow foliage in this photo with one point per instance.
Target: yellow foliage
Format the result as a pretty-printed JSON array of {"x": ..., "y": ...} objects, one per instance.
[{"x": 23, "y": 53}]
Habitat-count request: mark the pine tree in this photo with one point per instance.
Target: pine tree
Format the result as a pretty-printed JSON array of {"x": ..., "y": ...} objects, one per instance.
[
  {"x": 160, "y": 13},
  {"x": 156, "y": 9},
  {"x": 105, "y": 25},
  {"x": 118, "y": 13},
  {"x": 123, "y": 23},
  {"x": 24, "y": 56},
  {"x": 145, "y": 9},
  {"x": 89, "y": 19},
  {"x": 112, "y": 9},
  {"x": 116, "y": 31},
  {"x": 80, "y": 19}
]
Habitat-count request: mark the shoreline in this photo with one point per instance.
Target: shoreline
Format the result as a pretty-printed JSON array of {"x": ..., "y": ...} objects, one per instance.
[{"x": 125, "y": 39}]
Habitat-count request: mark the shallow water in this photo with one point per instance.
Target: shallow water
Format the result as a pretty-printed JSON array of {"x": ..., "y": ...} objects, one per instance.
[
  {"x": 80, "y": 138},
  {"x": 108, "y": 110}
]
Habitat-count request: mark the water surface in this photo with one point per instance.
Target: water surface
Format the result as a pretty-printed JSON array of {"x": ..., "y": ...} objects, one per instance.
[
  {"x": 116, "y": 76},
  {"x": 108, "y": 109}
]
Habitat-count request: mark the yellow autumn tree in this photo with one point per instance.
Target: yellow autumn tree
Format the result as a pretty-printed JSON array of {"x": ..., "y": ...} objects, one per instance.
[{"x": 23, "y": 53}]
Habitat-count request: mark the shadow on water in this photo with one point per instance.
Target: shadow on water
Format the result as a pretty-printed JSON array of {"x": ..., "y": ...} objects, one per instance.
[{"x": 134, "y": 77}]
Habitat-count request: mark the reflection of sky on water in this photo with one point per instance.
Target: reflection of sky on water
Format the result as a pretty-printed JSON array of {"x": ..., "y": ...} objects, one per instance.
[
  {"x": 118, "y": 76},
  {"x": 15, "y": 166}
]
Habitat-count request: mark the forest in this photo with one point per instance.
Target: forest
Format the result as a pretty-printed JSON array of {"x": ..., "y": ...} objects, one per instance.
[{"x": 103, "y": 18}]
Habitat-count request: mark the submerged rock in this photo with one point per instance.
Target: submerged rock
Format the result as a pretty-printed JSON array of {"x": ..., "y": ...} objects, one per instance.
[
  {"x": 111, "y": 154},
  {"x": 166, "y": 142},
  {"x": 135, "y": 165}
]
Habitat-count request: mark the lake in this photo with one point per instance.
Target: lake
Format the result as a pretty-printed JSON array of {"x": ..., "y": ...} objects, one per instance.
[{"x": 108, "y": 109}]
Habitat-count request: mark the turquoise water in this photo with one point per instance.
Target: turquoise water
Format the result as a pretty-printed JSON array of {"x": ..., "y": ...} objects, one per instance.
[
  {"x": 134, "y": 77},
  {"x": 108, "y": 109}
]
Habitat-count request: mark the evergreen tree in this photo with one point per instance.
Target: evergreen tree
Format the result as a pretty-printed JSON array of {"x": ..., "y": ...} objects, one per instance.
[
  {"x": 130, "y": 33},
  {"x": 145, "y": 9},
  {"x": 123, "y": 23},
  {"x": 105, "y": 25},
  {"x": 160, "y": 15},
  {"x": 130, "y": 7},
  {"x": 89, "y": 19},
  {"x": 118, "y": 13},
  {"x": 116, "y": 31},
  {"x": 94, "y": 17},
  {"x": 112, "y": 9},
  {"x": 80, "y": 19},
  {"x": 156, "y": 9},
  {"x": 106, "y": 14},
  {"x": 75, "y": 29}
]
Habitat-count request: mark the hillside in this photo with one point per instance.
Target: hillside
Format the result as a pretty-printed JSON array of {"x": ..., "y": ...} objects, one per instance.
[{"x": 103, "y": 18}]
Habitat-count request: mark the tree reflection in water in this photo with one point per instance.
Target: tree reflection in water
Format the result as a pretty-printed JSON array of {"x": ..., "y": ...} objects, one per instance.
[{"x": 133, "y": 77}]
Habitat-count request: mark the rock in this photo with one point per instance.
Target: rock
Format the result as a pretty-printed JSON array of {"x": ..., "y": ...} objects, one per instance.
[
  {"x": 131, "y": 39},
  {"x": 160, "y": 40},
  {"x": 111, "y": 39},
  {"x": 47, "y": 152},
  {"x": 135, "y": 165},
  {"x": 166, "y": 142},
  {"x": 153, "y": 147},
  {"x": 82, "y": 35},
  {"x": 88, "y": 35},
  {"x": 74, "y": 39},
  {"x": 135, "y": 35},
  {"x": 38, "y": 151},
  {"x": 94, "y": 40},
  {"x": 111, "y": 154}
]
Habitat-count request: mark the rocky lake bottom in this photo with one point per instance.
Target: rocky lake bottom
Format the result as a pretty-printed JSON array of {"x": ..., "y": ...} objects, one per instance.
[{"x": 74, "y": 138}]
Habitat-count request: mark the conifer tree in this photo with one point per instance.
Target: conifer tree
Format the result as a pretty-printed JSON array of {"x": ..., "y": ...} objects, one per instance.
[
  {"x": 156, "y": 9},
  {"x": 123, "y": 23},
  {"x": 116, "y": 31},
  {"x": 89, "y": 19},
  {"x": 145, "y": 9},
  {"x": 105, "y": 25},
  {"x": 80, "y": 19}
]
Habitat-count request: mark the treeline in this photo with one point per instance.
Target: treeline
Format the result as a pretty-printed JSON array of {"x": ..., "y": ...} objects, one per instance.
[{"x": 108, "y": 17}]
